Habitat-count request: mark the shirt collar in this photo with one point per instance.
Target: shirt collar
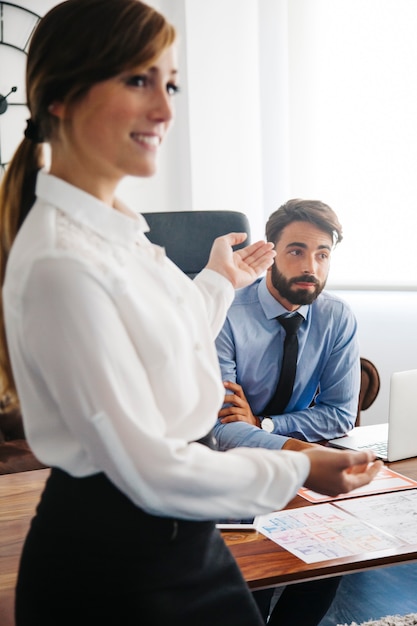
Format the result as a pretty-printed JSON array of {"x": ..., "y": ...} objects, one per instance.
[
  {"x": 87, "y": 210},
  {"x": 271, "y": 307}
]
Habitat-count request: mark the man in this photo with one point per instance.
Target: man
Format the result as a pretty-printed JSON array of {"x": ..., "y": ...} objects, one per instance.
[{"x": 322, "y": 404}]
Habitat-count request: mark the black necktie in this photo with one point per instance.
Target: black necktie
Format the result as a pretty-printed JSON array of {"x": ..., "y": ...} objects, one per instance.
[{"x": 283, "y": 392}]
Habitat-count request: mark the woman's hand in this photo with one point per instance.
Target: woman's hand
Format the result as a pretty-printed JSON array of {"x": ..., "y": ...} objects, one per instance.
[
  {"x": 333, "y": 472},
  {"x": 243, "y": 266}
]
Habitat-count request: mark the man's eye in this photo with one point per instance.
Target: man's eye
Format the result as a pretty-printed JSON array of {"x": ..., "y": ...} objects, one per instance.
[{"x": 172, "y": 89}]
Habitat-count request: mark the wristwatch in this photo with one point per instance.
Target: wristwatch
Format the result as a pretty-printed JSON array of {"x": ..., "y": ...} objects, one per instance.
[{"x": 267, "y": 424}]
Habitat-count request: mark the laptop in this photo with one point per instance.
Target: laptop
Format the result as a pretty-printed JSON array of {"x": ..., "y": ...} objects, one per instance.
[{"x": 397, "y": 439}]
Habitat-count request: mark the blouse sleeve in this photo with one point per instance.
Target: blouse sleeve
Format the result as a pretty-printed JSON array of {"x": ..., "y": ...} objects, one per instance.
[{"x": 218, "y": 294}]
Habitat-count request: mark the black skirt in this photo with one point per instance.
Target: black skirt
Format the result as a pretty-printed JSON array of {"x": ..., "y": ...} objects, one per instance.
[{"x": 92, "y": 557}]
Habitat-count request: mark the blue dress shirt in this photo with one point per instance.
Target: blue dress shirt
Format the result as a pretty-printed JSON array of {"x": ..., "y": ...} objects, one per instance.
[{"x": 250, "y": 347}]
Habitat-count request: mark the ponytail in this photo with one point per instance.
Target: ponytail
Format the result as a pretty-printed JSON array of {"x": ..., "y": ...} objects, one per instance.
[{"x": 17, "y": 195}]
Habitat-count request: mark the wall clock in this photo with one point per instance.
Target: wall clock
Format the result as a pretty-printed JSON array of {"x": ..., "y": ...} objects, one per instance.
[{"x": 16, "y": 27}]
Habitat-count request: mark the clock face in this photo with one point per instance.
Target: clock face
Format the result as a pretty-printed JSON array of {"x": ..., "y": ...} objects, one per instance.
[{"x": 16, "y": 27}]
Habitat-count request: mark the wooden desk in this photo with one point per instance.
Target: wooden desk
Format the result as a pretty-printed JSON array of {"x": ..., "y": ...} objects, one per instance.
[
  {"x": 19, "y": 495},
  {"x": 263, "y": 563}
]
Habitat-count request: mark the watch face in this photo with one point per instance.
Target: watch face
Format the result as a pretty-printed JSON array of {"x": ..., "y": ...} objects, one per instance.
[
  {"x": 267, "y": 424},
  {"x": 16, "y": 28}
]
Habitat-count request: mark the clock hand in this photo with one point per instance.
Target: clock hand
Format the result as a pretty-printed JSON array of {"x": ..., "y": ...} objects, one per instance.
[{"x": 3, "y": 100}]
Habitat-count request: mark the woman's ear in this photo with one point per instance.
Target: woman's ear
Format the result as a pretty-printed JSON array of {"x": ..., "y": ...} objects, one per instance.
[{"x": 57, "y": 109}]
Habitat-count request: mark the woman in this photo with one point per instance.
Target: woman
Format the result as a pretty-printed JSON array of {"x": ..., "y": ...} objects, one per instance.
[{"x": 112, "y": 349}]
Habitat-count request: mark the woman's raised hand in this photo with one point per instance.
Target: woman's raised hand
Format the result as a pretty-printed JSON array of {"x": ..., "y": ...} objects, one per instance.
[{"x": 243, "y": 266}]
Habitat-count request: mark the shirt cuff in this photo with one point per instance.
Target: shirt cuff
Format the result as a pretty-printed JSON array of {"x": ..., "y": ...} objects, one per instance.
[{"x": 217, "y": 280}]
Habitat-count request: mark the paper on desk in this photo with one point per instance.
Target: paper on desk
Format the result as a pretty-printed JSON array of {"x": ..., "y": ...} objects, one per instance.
[
  {"x": 395, "y": 513},
  {"x": 386, "y": 480},
  {"x": 323, "y": 532}
]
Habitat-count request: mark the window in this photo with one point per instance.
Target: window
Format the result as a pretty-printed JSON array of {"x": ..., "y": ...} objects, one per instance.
[{"x": 351, "y": 129}]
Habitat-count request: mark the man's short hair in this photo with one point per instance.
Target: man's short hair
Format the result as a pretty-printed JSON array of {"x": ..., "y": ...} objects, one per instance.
[{"x": 311, "y": 211}]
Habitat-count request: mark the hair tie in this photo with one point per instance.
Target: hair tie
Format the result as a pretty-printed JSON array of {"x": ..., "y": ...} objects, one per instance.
[{"x": 32, "y": 131}]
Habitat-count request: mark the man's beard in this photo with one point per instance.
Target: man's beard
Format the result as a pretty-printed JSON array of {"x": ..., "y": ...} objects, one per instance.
[{"x": 295, "y": 296}]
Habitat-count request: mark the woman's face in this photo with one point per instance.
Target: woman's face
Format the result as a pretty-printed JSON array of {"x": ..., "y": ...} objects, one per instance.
[{"x": 117, "y": 128}]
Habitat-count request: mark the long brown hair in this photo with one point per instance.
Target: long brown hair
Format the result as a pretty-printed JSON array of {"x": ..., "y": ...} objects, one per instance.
[{"x": 76, "y": 45}]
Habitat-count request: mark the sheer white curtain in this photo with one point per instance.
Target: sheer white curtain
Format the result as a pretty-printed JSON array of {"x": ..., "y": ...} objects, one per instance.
[
  {"x": 313, "y": 99},
  {"x": 351, "y": 131}
]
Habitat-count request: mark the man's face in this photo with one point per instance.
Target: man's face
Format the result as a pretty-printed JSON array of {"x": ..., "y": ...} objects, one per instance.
[{"x": 301, "y": 266}]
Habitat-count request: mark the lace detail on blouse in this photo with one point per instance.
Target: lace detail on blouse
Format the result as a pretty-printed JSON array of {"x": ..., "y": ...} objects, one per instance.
[{"x": 88, "y": 244}]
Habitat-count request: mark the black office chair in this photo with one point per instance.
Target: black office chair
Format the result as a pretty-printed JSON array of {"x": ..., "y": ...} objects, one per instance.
[{"x": 187, "y": 236}]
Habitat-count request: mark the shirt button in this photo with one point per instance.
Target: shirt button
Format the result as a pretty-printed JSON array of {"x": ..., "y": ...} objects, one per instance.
[{"x": 198, "y": 347}]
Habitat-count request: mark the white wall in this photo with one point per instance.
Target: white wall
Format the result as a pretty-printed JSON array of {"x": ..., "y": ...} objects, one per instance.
[
  {"x": 37, "y": 6},
  {"x": 387, "y": 326}
]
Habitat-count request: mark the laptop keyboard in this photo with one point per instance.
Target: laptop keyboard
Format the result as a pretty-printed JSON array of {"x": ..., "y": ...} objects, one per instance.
[{"x": 380, "y": 448}]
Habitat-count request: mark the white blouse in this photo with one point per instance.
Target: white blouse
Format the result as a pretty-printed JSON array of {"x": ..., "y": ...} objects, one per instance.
[{"x": 112, "y": 349}]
